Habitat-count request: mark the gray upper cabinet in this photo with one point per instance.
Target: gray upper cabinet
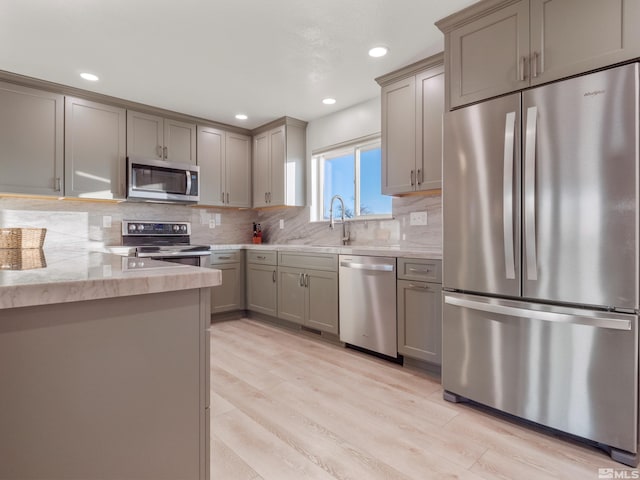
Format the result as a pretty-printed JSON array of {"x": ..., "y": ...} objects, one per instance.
[
  {"x": 32, "y": 139},
  {"x": 152, "y": 136},
  {"x": 499, "y": 46},
  {"x": 95, "y": 142},
  {"x": 279, "y": 164},
  {"x": 238, "y": 170},
  {"x": 412, "y": 107},
  {"x": 225, "y": 167}
]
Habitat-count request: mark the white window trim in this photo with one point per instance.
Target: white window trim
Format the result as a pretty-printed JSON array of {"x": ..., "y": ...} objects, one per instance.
[{"x": 317, "y": 177}]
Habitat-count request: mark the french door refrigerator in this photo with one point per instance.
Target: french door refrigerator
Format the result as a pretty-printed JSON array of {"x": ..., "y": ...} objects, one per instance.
[{"x": 540, "y": 246}]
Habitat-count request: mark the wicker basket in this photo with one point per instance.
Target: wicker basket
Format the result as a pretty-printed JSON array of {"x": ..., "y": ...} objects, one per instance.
[
  {"x": 21, "y": 259},
  {"x": 22, "y": 237}
]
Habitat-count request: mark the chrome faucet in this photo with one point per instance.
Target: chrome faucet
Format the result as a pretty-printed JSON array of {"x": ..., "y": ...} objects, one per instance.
[{"x": 345, "y": 235}]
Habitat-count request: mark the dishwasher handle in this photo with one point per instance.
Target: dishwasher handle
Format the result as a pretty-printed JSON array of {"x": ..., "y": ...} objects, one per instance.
[{"x": 377, "y": 267}]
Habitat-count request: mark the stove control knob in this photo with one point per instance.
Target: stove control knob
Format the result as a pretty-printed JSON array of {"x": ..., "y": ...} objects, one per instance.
[
  {"x": 132, "y": 227},
  {"x": 183, "y": 228},
  {"x": 176, "y": 228},
  {"x": 140, "y": 227}
]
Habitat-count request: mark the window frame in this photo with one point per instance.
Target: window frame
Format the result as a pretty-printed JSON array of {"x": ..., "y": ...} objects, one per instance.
[{"x": 354, "y": 147}]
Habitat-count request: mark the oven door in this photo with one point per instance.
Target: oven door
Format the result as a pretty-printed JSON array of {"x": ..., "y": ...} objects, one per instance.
[{"x": 149, "y": 179}]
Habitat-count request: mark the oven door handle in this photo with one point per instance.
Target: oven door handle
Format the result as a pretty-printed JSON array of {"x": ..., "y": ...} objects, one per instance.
[{"x": 196, "y": 253}]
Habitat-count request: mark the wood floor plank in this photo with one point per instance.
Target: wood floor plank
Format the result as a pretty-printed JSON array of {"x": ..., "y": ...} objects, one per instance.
[
  {"x": 312, "y": 440},
  {"x": 225, "y": 464},
  {"x": 287, "y": 405}
]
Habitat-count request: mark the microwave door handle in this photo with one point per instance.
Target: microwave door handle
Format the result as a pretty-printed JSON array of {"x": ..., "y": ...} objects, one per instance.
[{"x": 188, "y": 192}]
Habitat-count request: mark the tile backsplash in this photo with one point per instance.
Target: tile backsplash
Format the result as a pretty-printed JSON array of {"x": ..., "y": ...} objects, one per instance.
[{"x": 74, "y": 224}]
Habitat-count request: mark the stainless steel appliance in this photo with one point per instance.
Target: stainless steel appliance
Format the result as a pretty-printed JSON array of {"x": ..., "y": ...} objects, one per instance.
[
  {"x": 367, "y": 287},
  {"x": 540, "y": 243},
  {"x": 166, "y": 241},
  {"x": 162, "y": 181}
]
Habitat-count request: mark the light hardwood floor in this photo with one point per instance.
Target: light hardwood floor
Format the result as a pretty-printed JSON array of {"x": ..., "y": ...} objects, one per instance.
[{"x": 287, "y": 406}]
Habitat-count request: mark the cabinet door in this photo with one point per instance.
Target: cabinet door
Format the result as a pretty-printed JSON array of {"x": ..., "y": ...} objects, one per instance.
[
  {"x": 238, "y": 170},
  {"x": 228, "y": 296},
  {"x": 277, "y": 155},
  {"x": 574, "y": 36},
  {"x": 291, "y": 294},
  {"x": 261, "y": 170},
  {"x": 262, "y": 289},
  {"x": 32, "y": 140},
  {"x": 489, "y": 56},
  {"x": 322, "y": 301},
  {"x": 144, "y": 135},
  {"x": 180, "y": 141},
  {"x": 95, "y": 145},
  {"x": 211, "y": 156},
  {"x": 430, "y": 107},
  {"x": 420, "y": 320},
  {"x": 399, "y": 137}
]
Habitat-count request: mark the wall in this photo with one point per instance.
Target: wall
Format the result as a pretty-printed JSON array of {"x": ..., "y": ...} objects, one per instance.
[{"x": 74, "y": 224}]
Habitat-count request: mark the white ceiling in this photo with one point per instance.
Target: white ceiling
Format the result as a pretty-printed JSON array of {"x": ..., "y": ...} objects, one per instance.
[{"x": 216, "y": 58}]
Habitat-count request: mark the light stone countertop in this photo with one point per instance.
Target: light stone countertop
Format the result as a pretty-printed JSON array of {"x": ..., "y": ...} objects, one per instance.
[
  {"x": 83, "y": 275},
  {"x": 378, "y": 251}
]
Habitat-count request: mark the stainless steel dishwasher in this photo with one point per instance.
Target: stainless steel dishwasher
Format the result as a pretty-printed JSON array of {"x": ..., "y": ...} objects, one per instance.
[{"x": 368, "y": 303}]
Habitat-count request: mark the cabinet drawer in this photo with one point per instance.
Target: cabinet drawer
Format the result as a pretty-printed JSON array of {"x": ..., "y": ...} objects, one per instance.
[
  {"x": 226, "y": 256},
  {"x": 420, "y": 269},
  {"x": 316, "y": 261},
  {"x": 262, "y": 257}
]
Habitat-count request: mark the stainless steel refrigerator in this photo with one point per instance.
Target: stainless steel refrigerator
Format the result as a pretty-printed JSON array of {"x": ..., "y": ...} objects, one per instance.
[{"x": 540, "y": 244}]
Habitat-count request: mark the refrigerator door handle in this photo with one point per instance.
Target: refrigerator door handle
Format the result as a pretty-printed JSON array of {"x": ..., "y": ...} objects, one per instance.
[
  {"x": 530, "y": 194},
  {"x": 503, "y": 308},
  {"x": 507, "y": 186}
]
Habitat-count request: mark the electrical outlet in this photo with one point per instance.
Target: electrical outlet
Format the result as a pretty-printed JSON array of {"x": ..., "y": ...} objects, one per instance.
[
  {"x": 281, "y": 223},
  {"x": 212, "y": 223},
  {"x": 418, "y": 218},
  {"x": 106, "y": 221}
]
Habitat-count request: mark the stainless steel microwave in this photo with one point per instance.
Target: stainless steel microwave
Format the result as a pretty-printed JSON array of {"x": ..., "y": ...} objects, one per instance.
[{"x": 161, "y": 181}]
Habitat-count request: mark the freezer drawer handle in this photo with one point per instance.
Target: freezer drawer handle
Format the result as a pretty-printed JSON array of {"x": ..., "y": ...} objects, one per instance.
[
  {"x": 507, "y": 187},
  {"x": 530, "y": 194},
  {"x": 610, "y": 323},
  {"x": 373, "y": 267}
]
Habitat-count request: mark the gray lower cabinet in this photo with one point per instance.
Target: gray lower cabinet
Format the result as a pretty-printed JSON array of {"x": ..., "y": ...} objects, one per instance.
[
  {"x": 95, "y": 149},
  {"x": 419, "y": 292},
  {"x": 262, "y": 282},
  {"x": 230, "y": 295},
  {"x": 32, "y": 140},
  {"x": 309, "y": 296}
]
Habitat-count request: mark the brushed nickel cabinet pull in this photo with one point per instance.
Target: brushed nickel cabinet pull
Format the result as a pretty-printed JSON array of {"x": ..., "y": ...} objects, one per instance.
[
  {"x": 227, "y": 197},
  {"x": 166, "y": 152},
  {"x": 412, "y": 178},
  {"x": 274, "y": 276},
  {"x": 58, "y": 184},
  {"x": 523, "y": 59},
  {"x": 159, "y": 151}
]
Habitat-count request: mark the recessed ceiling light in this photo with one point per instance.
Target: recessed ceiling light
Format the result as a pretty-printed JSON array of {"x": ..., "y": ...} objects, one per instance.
[
  {"x": 241, "y": 116},
  {"x": 329, "y": 101},
  {"x": 378, "y": 52},
  {"x": 89, "y": 76}
]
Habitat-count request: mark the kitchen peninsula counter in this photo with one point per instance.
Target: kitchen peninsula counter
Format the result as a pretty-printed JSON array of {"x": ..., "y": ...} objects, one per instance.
[
  {"x": 371, "y": 250},
  {"x": 104, "y": 363},
  {"x": 71, "y": 276}
]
